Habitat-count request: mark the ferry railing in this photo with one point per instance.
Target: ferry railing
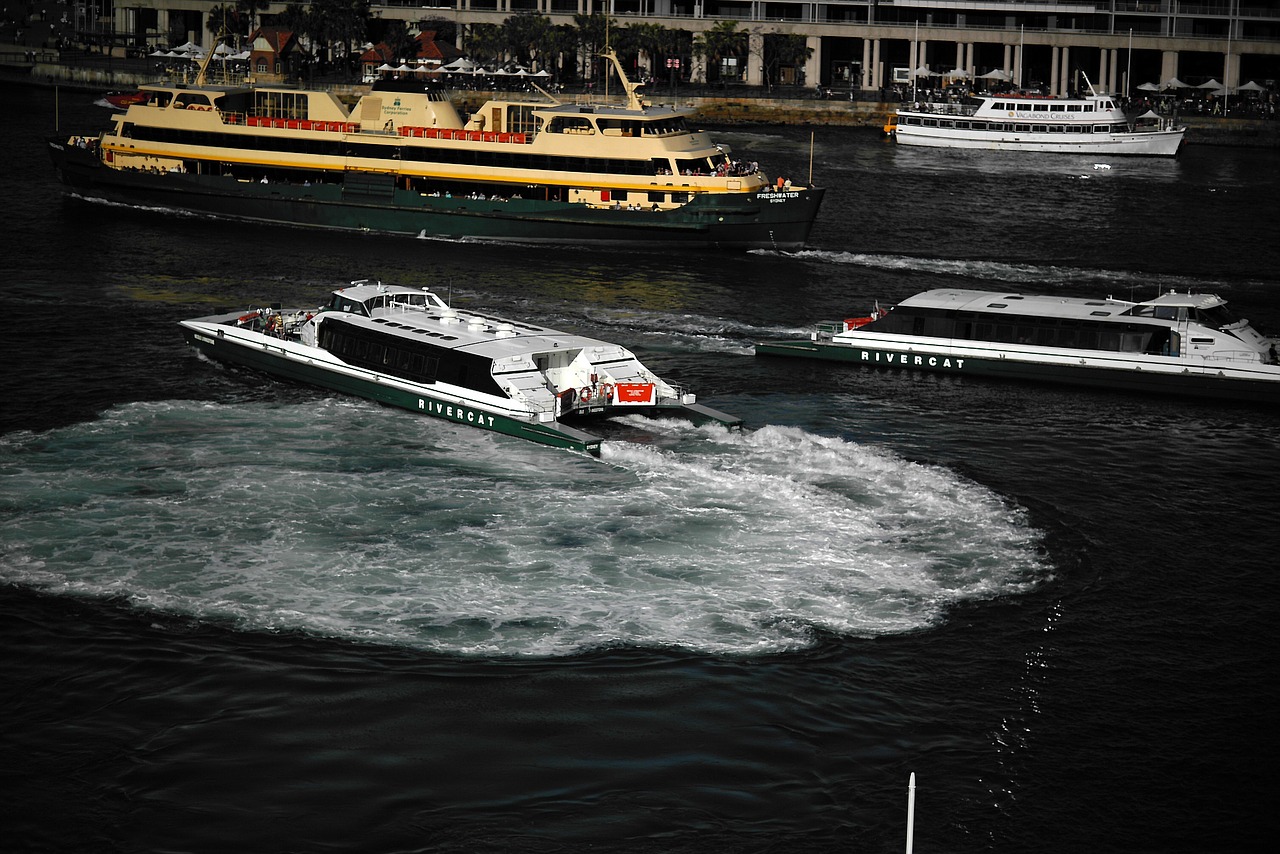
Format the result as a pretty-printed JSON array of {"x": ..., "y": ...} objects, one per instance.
[{"x": 1234, "y": 356}]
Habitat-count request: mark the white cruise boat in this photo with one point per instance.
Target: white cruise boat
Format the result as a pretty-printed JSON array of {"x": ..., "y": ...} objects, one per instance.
[
  {"x": 1188, "y": 344},
  {"x": 406, "y": 347},
  {"x": 1093, "y": 124}
]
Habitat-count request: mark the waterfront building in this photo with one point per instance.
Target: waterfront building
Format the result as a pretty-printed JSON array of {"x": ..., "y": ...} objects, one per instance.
[{"x": 869, "y": 44}]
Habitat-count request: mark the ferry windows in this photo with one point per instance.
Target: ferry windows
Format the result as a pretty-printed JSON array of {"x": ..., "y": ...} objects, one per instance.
[
  {"x": 693, "y": 166},
  {"x": 1040, "y": 128},
  {"x": 280, "y": 105},
  {"x": 657, "y": 198},
  {"x": 187, "y": 99},
  {"x": 520, "y": 119},
  {"x": 1040, "y": 108},
  {"x": 571, "y": 124},
  {"x": 619, "y": 127},
  {"x": 1101, "y": 128},
  {"x": 1218, "y": 317},
  {"x": 1022, "y": 128},
  {"x": 669, "y": 126},
  {"x": 680, "y": 198},
  {"x": 1057, "y": 108}
]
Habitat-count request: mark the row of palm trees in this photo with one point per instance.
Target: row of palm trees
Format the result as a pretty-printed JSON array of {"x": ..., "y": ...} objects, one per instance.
[{"x": 568, "y": 51}]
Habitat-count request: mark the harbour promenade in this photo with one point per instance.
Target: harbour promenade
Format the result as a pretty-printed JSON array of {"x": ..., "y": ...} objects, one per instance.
[{"x": 735, "y": 105}]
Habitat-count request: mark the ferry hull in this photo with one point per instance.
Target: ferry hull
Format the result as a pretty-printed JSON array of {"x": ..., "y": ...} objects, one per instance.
[
  {"x": 1262, "y": 387},
  {"x": 279, "y": 360},
  {"x": 365, "y": 384},
  {"x": 1148, "y": 144},
  {"x": 769, "y": 220}
]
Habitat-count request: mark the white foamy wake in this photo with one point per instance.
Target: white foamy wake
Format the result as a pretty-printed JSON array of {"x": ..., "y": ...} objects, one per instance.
[
  {"x": 346, "y": 519},
  {"x": 1122, "y": 284}
]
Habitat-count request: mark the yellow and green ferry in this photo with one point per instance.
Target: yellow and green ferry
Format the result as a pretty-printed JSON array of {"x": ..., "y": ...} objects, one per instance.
[{"x": 403, "y": 160}]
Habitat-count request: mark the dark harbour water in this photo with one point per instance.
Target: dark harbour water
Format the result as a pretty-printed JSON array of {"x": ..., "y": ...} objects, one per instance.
[{"x": 238, "y": 615}]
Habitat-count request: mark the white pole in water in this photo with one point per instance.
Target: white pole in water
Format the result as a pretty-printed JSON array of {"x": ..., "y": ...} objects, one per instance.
[
  {"x": 911, "y": 812},
  {"x": 811, "y": 133}
]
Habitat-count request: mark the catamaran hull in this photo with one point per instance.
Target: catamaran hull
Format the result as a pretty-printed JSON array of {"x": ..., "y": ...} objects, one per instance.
[
  {"x": 769, "y": 220},
  {"x": 278, "y": 362},
  {"x": 1147, "y": 143},
  {"x": 1260, "y": 384},
  {"x": 281, "y": 360}
]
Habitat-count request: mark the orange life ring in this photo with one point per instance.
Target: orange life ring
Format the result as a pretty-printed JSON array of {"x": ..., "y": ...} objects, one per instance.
[
  {"x": 585, "y": 394},
  {"x": 606, "y": 392}
]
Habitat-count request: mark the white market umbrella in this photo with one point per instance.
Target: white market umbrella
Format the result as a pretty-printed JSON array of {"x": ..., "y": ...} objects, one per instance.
[
  {"x": 542, "y": 73},
  {"x": 385, "y": 67},
  {"x": 996, "y": 74},
  {"x": 1148, "y": 87},
  {"x": 923, "y": 71},
  {"x": 1251, "y": 86},
  {"x": 1174, "y": 83},
  {"x": 958, "y": 73},
  {"x": 1210, "y": 84}
]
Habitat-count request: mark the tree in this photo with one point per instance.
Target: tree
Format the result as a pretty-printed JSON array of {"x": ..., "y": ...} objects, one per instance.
[
  {"x": 526, "y": 35},
  {"x": 783, "y": 50},
  {"x": 593, "y": 35},
  {"x": 249, "y": 10},
  {"x": 395, "y": 34},
  {"x": 343, "y": 22},
  {"x": 647, "y": 39},
  {"x": 226, "y": 20},
  {"x": 485, "y": 43},
  {"x": 722, "y": 41}
]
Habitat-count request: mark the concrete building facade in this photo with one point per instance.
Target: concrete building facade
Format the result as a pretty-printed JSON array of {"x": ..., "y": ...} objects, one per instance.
[{"x": 875, "y": 44}]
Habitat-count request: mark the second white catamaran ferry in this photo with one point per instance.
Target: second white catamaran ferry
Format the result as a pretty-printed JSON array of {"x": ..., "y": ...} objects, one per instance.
[
  {"x": 406, "y": 347},
  {"x": 1188, "y": 344}
]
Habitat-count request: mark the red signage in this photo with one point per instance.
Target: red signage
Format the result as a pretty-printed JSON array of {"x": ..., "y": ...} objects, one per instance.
[{"x": 634, "y": 394}]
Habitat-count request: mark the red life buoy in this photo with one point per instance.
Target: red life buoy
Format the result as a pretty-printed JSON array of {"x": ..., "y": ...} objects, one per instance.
[
  {"x": 585, "y": 394},
  {"x": 606, "y": 392}
]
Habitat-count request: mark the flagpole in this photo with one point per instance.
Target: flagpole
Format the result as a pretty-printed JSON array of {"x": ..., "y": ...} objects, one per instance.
[
  {"x": 915, "y": 41},
  {"x": 1022, "y": 44},
  {"x": 1226, "y": 70},
  {"x": 1128, "y": 68}
]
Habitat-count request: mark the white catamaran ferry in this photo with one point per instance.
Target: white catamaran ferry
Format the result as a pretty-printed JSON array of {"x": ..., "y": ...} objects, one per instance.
[
  {"x": 1176, "y": 343},
  {"x": 406, "y": 347},
  {"x": 403, "y": 161},
  {"x": 1092, "y": 124}
]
